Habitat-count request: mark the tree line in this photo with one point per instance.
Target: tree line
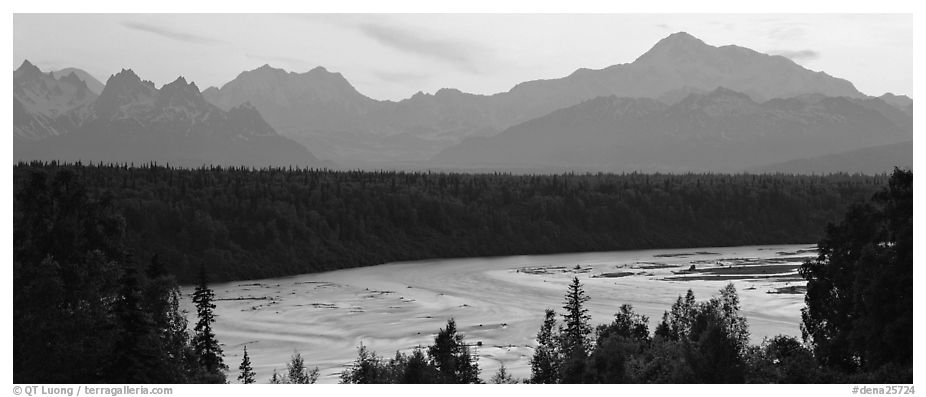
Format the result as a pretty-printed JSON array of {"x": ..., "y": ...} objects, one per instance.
[{"x": 255, "y": 223}]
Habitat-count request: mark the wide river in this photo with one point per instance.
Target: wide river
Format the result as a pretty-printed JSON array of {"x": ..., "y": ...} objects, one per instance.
[{"x": 497, "y": 301}]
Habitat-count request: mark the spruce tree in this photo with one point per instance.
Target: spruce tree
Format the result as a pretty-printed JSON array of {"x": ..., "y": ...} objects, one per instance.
[
  {"x": 161, "y": 299},
  {"x": 574, "y": 338},
  {"x": 247, "y": 373},
  {"x": 574, "y": 335},
  {"x": 205, "y": 345},
  {"x": 544, "y": 363},
  {"x": 134, "y": 357}
]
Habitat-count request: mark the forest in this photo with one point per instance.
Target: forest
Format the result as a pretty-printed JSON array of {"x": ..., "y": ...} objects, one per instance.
[
  {"x": 85, "y": 291},
  {"x": 243, "y": 223}
]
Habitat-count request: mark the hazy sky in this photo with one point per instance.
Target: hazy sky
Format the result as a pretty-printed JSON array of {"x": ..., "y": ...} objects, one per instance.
[{"x": 393, "y": 56}]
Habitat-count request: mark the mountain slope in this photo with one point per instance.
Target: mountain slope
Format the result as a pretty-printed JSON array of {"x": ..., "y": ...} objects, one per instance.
[
  {"x": 870, "y": 160},
  {"x": 902, "y": 102},
  {"x": 723, "y": 130}
]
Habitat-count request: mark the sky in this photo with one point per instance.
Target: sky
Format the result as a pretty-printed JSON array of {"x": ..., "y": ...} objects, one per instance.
[{"x": 393, "y": 56}]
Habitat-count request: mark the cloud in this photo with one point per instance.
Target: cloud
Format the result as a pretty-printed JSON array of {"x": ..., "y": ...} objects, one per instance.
[
  {"x": 463, "y": 55},
  {"x": 170, "y": 34},
  {"x": 797, "y": 55},
  {"x": 787, "y": 32},
  {"x": 724, "y": 25}
]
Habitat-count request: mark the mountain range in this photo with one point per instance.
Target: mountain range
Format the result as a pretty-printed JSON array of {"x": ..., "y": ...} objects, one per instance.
[
  {"x": 723, "y": 130},
  {"x": 683, "y": 105},
  {"x": 132, "y": 121}
]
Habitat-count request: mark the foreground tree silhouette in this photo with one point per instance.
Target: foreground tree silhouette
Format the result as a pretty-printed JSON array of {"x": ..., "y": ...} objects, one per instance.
[
  {"x": 713, "y": 353},
  {"x": 369, "y": 368},
  {"x": 615, "y": 344},
  {"x": 247, "y": 373},
  {"x": 161, "y": 299},
  {"x": 626, "y": 324},
  {"x": 574, "y": 334},
  {"x": 67, "y": 249},
  {"x": 135, "y": 359},
  {"x": 676, "y": 323},
  {"x": 79, "y": 298},
  {"x": 205, "y": 344},
  {"x": 418, "y": 369},
  {"x": 502, "y": 376},
  {"x": 297, "y": 373},
  {"x": 859, "y": 301},
  {"x": 452, "y": 357},
  {"x": 545, "y": 362}
]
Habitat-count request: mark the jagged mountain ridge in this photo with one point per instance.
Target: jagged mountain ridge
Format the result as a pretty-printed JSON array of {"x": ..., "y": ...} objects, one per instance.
[
  {"x": 96, "y": 86},
  {"x": 133, "y": 121},
  {"x": 42, "y": 102}
]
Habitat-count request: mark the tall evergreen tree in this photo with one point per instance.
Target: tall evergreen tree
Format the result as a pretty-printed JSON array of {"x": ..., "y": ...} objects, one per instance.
[
  {"x": 574, "y": 334},
  {"x": 544, "y": 363},
  {"x": 205, "y": 344},
  {"x": 134, "y": 357},
  {"x": 246, "y": 375},
  {"x": 161, "y": 300}
]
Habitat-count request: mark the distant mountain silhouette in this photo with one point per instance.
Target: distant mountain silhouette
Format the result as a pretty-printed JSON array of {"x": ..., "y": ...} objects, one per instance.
[
  {"x": 723, "y": 130},
  {"x": 41, "y": 102},
  {"x": 133, "y": 121},
  {"x": 870, "y": 160},
  {"x": 92, "y": 83},
  {"x": 682, "y": 105},
  {"x": 901, "y": 102},
  {"x": 321, "y": 109}
]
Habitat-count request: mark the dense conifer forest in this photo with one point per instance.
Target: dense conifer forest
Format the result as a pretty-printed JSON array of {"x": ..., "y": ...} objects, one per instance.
[{"x": 254, "y": 223}]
